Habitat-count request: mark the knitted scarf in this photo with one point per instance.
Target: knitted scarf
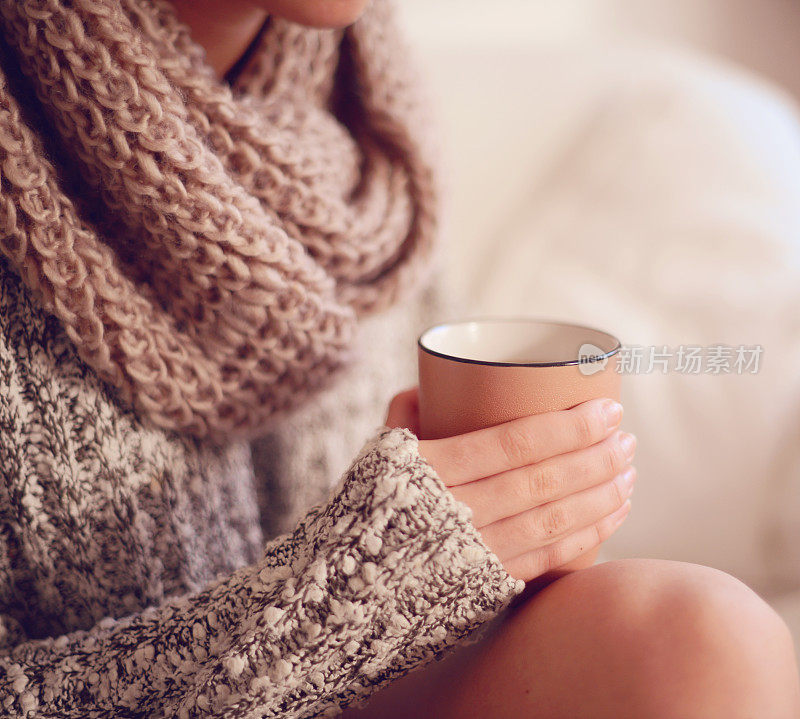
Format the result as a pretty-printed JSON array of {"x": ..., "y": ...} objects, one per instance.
[{"x": 208, "y": 245}]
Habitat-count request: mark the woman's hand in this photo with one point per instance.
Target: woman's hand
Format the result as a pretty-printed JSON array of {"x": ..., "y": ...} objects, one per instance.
[{"x": 543, "y": 489}]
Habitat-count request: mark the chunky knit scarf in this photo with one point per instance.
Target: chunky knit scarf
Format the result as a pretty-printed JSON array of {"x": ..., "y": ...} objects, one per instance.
[{"x": 208, "y": 245}]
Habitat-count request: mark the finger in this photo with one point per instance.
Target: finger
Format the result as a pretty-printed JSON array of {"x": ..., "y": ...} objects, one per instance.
[
  {"x": 552, "y": 556},
  {"x": 404, "y": 410},
  {"x": 544, "y": 525},
  {"x": 518, "y": 490},
  {"x": 521, "y": 442}
]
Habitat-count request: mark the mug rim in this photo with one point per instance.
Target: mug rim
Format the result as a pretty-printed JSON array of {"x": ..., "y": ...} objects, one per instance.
[{"x": 519, "y": 319}]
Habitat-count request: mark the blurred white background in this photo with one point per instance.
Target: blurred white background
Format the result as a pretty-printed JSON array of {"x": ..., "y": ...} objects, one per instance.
[
  {"x": 635, "y": 165},
  {"x": 759, "y": 34}
]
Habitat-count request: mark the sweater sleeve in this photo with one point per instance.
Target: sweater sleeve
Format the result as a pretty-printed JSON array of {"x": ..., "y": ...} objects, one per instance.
[{"x": 385, "y": 576}]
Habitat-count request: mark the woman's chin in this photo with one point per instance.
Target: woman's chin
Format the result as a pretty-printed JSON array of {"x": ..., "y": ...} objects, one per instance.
[{"x": 316, "y": 13}]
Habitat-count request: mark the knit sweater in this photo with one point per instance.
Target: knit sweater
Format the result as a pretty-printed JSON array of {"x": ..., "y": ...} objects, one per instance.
[
  {"x": 182, "y": 263},
  {"x": 134, "y": 580}
]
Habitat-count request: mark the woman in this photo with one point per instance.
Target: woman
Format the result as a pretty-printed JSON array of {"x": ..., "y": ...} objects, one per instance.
[{"x": 198, "y": 200}]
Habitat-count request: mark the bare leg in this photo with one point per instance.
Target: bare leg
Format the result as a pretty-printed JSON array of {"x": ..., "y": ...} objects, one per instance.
[{"x": 632, "y": 638}]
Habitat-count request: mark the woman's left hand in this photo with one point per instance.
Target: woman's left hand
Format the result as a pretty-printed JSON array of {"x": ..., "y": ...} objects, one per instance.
[{"x": 545, "y": 490}]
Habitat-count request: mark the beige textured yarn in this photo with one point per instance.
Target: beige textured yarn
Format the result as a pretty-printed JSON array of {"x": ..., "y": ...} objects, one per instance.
[{"x": 234, "y": 231}]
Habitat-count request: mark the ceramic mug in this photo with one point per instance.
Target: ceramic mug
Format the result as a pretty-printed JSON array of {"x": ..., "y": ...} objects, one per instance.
[{"x": 483, "y": 372}]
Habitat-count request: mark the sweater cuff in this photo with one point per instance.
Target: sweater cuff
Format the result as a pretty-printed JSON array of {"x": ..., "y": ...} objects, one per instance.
[{"x": 416, "y": 551}]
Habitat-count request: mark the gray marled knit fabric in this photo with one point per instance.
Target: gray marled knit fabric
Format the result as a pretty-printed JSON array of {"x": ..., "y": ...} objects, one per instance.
[{"x": 134, "y": 581}]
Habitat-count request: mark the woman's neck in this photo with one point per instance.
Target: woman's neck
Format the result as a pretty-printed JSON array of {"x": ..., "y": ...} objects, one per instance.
[{"x": 225, "y": 29}]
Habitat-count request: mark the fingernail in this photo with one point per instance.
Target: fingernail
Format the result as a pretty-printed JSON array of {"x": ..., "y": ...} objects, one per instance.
[
  {"x": 613, "y": 412},
  {"x": 626, "y": 480},
  {"x": 628, "y": 444}
]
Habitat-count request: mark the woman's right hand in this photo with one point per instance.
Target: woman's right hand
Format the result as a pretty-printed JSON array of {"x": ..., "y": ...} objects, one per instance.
[{"x": 543, "y": 490}]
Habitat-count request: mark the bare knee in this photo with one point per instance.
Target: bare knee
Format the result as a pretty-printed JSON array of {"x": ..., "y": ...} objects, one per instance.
[
  {"x": 688, "y": 638},
  {"x": 634, "y": 638}
]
